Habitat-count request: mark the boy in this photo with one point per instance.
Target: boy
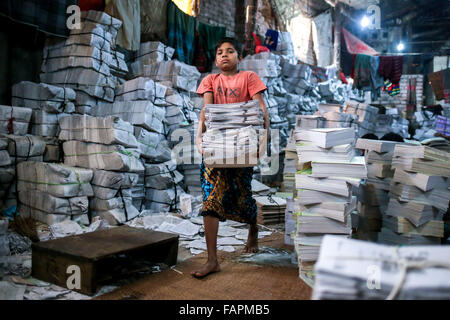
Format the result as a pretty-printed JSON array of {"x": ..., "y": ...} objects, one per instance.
[{"x": 227, "y": 192}]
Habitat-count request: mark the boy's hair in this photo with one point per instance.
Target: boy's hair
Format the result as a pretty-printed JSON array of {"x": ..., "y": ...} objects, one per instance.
[{"x": 232, "y": 41}]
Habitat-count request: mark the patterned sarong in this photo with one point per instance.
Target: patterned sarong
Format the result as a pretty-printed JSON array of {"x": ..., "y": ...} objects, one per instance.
[{"x": 227, "y": 193}]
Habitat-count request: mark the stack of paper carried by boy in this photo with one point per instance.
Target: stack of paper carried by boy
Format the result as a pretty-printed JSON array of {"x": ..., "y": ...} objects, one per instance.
[
  {"x": 419, "y": 195},
  {"x": 324, "y": 192},
  {"x": 373, "y": 194},
  {"x": 233, "y": 134},
  {"x": 353, "y": 269}
]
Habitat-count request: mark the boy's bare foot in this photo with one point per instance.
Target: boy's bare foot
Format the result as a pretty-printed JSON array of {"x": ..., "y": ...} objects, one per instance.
[
  {"x": 206, "y": 269},
  {"x": 252, "y": 240}
]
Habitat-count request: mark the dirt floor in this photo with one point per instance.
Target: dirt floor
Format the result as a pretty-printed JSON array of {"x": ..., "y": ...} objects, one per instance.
[{"x": 258, "y": 279}]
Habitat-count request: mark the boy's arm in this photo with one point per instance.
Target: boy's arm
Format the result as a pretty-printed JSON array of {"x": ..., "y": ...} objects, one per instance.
[{"x": 207, "y": 99}]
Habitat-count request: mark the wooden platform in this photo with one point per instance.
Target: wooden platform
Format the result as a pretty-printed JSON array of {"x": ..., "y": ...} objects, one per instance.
[{"x": 96, "y": 252}]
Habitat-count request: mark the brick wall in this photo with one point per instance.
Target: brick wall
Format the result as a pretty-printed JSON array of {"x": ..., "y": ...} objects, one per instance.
[{"x": 219, "y": 13}]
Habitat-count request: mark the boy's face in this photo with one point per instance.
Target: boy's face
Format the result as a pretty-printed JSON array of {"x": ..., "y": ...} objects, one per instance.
[{"x": 226, "y": 57}]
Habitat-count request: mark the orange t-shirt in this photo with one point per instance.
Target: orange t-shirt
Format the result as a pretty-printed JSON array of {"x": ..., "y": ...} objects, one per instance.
[{"x": 240, "y": 87}]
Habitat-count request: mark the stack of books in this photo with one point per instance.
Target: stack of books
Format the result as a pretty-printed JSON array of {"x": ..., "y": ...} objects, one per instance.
[
  {"x": 308, "y": 121},
  {"x": 324, "y": 200},
  {"x": 260, "y": 189},
  {"x": 291, "y": 166},
  {"x": 354, "y": 269},
  {"x": 366, "y": 116},
  {"x": 271, "y": 209},
  {"x": 333, "y": 117},
  {"x": 419, "y": 195},
  {"x": 290, "y": 223},
  {"x": 373, "y": 193}
]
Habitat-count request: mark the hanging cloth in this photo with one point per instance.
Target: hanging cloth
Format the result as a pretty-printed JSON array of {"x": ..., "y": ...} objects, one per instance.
[
  {"x": 200, "y": 58},
  {"x": 208, "y": 37},
  {"x": 366, "y": 75},
  {"x": 361, "y": 71},
  {"x": 47, "y": 16},
  {"x": 181, "y": 33},
  {"x": 128, "y": 11},
  {"x": 323, "y": 38},
  {"x": 437, "y": 83},
  {"x": 411, "y": 92},
  {"x": 446, "y": 84},
  {"x": 86, "y": 5},
  {"x": 391, "y": 68},
  {"x": 347, "y": 63},
  {"x": 355, "y": 45},
  {"x": 411, "y": 96}
]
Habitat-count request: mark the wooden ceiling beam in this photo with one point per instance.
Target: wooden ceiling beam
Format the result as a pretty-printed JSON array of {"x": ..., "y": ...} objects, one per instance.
[{"x": 398, "y": 13}]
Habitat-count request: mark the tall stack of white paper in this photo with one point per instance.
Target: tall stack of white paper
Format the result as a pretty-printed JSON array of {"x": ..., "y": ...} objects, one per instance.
[
  {"x": 53, "y": 193},
  {"x": 148, "y": 53},
  {"x": 266, "y": 65},
  {"x": 7, "y": 171},
  {"x": 19, "y": 149},
  {"x": 296, "y": 77},
  {"x": 138, "y": 98},
  {"x": 113, "y": 196},
  {"x": 291, "y": 166},
  {"x": 191, "y": 173},
  {"x": 180, "y": 109},
  {"x": 354, "y": 269},
  {"x": 278, "y": 103},
  {"x": 156, "y": 97},
  {"x": 140, "y": 89},
  {"x": 181, "y": 75},
  {"x": 87, "y": 61},
  {"x": 104, "y": 130},
  {"x": 373, "y": 194},
  {"x": 154, "y": 147},
  {"x": 163, "y": 189},
  {"x": 107, "y": 144},
  {"x": 271, "y": 209},
  {"x": 324, "y": 200},
  {"x": 419, "y": 194},
  {"x": 44, "y": 97},
  {"x": 14, "y": 120},
  {"x": 139, "y": 113},
  {"x": 366, "y": 116}
]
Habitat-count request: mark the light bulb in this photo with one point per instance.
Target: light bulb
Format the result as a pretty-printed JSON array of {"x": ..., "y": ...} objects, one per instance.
[
  {"x": 365, "y": 21},
  {"x": 400, "y": 46}
]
